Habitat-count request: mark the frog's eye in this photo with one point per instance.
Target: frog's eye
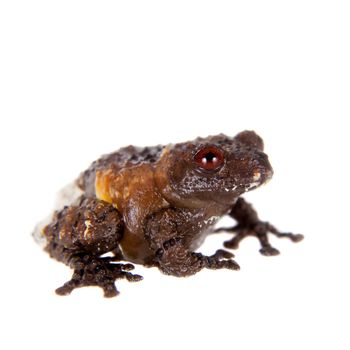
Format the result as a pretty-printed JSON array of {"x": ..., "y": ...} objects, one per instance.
[{"x": 209, "y": 158}]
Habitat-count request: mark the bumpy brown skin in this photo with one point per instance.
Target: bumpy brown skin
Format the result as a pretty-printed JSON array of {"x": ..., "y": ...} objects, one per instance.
[{"x": 155, "y": 206}]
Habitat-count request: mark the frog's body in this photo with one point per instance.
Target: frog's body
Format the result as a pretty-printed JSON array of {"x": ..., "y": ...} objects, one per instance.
[
  {"x": 155, "y": 206},
  {"x": 128, "y": 179}
]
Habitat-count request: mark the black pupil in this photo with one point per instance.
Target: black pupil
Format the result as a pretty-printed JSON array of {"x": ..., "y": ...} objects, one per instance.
[{"x": 210, "y": 157}]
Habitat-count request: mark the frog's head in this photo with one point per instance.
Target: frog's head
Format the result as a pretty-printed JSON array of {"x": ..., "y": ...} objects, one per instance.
[{"x": 216, "y": 168}]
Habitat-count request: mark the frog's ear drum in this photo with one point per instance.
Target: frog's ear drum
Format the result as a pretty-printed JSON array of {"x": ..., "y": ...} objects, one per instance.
[{"x": 250, "y": 139}]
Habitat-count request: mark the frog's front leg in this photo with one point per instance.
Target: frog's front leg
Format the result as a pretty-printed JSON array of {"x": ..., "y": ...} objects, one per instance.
[
  {"x": 249, "y": 224},
  {"x": 78, "y": 235},
  {"x": 173, "y": 256}
]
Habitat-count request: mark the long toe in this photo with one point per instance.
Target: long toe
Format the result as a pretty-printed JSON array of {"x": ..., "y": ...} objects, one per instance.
[{"x": 297, "y": 237}]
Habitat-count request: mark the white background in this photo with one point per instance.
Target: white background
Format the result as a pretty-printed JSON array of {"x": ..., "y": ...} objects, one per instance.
[{"x": 83, "y": 78}]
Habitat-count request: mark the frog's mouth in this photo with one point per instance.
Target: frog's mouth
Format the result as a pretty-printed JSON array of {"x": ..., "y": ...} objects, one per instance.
[{"x": 259, "y": 177}]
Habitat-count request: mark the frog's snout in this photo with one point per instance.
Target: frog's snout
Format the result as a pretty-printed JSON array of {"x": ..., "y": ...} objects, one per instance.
[{"x": 263, "y": 172}]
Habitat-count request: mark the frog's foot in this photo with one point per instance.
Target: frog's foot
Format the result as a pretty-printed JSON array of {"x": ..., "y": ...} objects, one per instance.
[
  {"x": 101, "y": 272},
  {"x": 259, "y": 230},
  {"x": 222, "y": 259},
  {"x": 174, "y": 259}
]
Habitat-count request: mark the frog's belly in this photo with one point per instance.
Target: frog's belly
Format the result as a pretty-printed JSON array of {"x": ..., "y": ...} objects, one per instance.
[{"x": 135, "y": 248}]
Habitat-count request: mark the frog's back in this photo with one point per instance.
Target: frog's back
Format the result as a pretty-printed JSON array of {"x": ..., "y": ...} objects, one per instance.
[{"x": 120, "y": 160}]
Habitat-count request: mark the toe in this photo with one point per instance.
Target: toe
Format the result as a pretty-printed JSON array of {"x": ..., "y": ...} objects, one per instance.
[
  {"x": 133, "y": 278},
  {"x": 269, "y": 251},
  {"x": 223, "y": 254},
  {"x": 232, "y": 265},
  {"x": 128, "y": 267},
  {"x": 110, "y": 290},
  {"x": 66, "y": 289},
  {"x": 297, "y": 238}
]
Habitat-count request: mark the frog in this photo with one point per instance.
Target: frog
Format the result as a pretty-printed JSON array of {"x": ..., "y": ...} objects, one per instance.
[{"x": 155, "y": 206}]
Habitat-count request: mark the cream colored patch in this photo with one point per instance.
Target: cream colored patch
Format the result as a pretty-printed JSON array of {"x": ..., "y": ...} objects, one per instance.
[
  {"x": 87, "y": 225},
  {"x": 212, "y": 220},
  {"x": 126, "y": 193},
  {"x": 253, "y": 185},
  {"x": 230, "y": 189},
  {"x": 62, "y": 233},
  {"x": 256, "y": 176},
  {"x": 164, "y": 152}
]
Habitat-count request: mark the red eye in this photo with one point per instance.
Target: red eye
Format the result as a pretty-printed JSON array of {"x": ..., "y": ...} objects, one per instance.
[{"x": 209, "y": 158}]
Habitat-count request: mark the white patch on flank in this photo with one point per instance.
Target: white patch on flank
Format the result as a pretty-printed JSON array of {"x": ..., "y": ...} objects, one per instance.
[
  {"x": 38, "y": 233},
  {"x": 68, "y": 195}
]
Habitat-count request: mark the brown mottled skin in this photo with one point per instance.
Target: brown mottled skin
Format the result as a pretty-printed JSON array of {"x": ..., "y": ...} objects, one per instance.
[{"x": 155, "y": 206}]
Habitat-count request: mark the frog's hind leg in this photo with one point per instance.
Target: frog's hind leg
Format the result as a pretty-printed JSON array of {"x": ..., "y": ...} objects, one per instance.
[{"x": 79, "y": 235}]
